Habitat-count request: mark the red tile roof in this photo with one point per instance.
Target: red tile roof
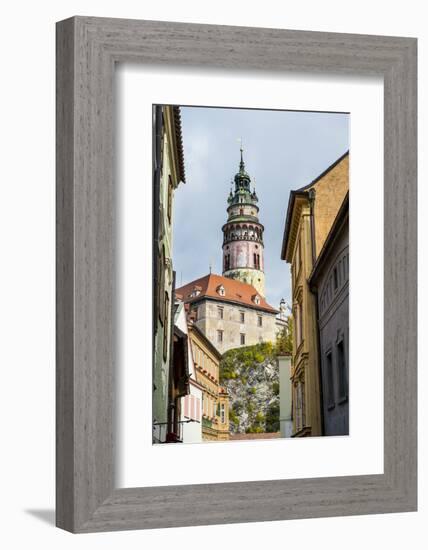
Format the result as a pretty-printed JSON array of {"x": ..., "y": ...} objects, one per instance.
[{"x": 235, "y": 292}]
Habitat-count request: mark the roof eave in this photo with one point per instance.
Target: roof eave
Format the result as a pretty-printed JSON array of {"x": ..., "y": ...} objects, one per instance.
[
  {"x": 179, "y": 141},
  {"x": 230, "y": 301},
  {"x": 288, "y": 219}
]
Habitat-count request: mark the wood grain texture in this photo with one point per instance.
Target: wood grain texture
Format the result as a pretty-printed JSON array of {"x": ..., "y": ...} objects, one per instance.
[{"x": 87, "y": 49}]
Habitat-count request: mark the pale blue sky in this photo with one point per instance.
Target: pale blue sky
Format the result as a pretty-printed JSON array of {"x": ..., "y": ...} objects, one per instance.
[{"x": 283, "y": 150}]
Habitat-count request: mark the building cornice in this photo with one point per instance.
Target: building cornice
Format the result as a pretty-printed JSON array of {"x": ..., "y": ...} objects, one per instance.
[{"x": 234, "y": 302}]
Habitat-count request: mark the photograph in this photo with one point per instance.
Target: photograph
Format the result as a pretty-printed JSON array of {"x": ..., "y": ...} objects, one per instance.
[{"x": 251, "y": 274}]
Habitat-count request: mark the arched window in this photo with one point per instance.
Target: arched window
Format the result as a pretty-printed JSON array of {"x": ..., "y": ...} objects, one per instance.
[{"x": 226, "y": 262}]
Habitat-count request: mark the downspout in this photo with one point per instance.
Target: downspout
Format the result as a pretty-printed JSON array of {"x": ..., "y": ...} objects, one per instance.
[{"x": 311, "y": 198}]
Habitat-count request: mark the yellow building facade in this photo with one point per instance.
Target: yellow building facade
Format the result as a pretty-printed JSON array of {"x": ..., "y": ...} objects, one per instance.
[
  {"x": 310, "y": 215},
  {"x": 215, "y": 399}
]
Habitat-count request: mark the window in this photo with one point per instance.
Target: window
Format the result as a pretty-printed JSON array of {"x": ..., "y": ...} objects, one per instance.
[
  {"x": 169, "y": 205},
  {"x": 220, "y": 312},
  {"x": 329, "y": 379},
  {"x": 299, "y": 400},
  {"x": 298, "y": 312},
  {"x": 227, "y": 262},
  {"x": 241, "y": 211},
  {"x": 297, "y": 324},
  {"x": 335, "y": 278},
  {"x": 242, "y": 316},
  {"x": 165, "y": 327},
  {"x": 242, "y": 339},
  {"x": 161, "y": 284},
  {"x": 222, "y": 413},
  {"x": 297, "y": 260},
  {"x": 195, "y": 292},
  {"x": 259, "y": 321},
  {"x": 220, "y": 290},
  {"x": 219, "y": 336},
  {"x": 342, "y": 384}
]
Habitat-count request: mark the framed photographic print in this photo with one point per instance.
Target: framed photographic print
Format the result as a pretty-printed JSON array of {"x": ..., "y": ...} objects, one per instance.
[{"x": 236, "y": 274}]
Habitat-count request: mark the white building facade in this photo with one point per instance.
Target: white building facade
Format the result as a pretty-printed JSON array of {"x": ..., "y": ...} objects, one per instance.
[
  {"x": 285, "y": 402},
  {"x": 191, "y": 404}
]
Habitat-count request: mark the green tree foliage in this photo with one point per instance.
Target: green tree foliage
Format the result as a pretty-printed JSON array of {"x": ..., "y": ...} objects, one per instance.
[
  {"x": 246, "y": 358},
  {"x": 284, "y": 340},
  {"x": 272, "y": 418}
]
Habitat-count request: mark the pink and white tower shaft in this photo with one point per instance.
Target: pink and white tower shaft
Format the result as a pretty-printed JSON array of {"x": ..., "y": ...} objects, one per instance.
[{"x": 243, "y": 247}]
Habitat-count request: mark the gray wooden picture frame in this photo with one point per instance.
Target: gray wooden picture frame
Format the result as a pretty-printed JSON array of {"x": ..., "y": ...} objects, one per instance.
[{"x": 87, "y": 50}]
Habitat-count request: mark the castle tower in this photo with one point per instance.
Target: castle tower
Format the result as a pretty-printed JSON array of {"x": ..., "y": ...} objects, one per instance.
[{"x": 243, "y": 234}]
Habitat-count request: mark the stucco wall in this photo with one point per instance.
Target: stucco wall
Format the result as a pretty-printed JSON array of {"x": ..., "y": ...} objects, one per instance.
[
  {"x": 334, "y": 326},
  {"x": 305, "y": 352},
  {"x": 330, "y": 192},
  {"x": 253, "y": 277},
  {"x": 191, "y": 405},
  {"x": 243, "y": 209},
  {"x": 242, "y": 253},
  {"x": 209, "y": 322},
  {"x": 161, "y": 369},
  {"x": 285, "y": 400}
]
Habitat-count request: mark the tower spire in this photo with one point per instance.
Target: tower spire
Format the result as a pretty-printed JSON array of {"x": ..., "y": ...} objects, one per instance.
[{"x": 241, "y": 164}]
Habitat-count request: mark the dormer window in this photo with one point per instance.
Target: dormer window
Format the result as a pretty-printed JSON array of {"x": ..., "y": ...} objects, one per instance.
[
  {"x": 221, "y": 291},
  {"x": 195, "y": 291},
  {"x": 256, "y": 299}
]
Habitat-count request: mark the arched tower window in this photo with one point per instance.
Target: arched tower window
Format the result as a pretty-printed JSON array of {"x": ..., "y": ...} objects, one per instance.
[
  {"x": 227, "y": 262},
  {"x": 256, "y": 258}
]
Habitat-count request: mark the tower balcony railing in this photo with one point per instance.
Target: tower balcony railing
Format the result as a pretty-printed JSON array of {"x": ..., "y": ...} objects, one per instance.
[{"x": 242, "y": 238}]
